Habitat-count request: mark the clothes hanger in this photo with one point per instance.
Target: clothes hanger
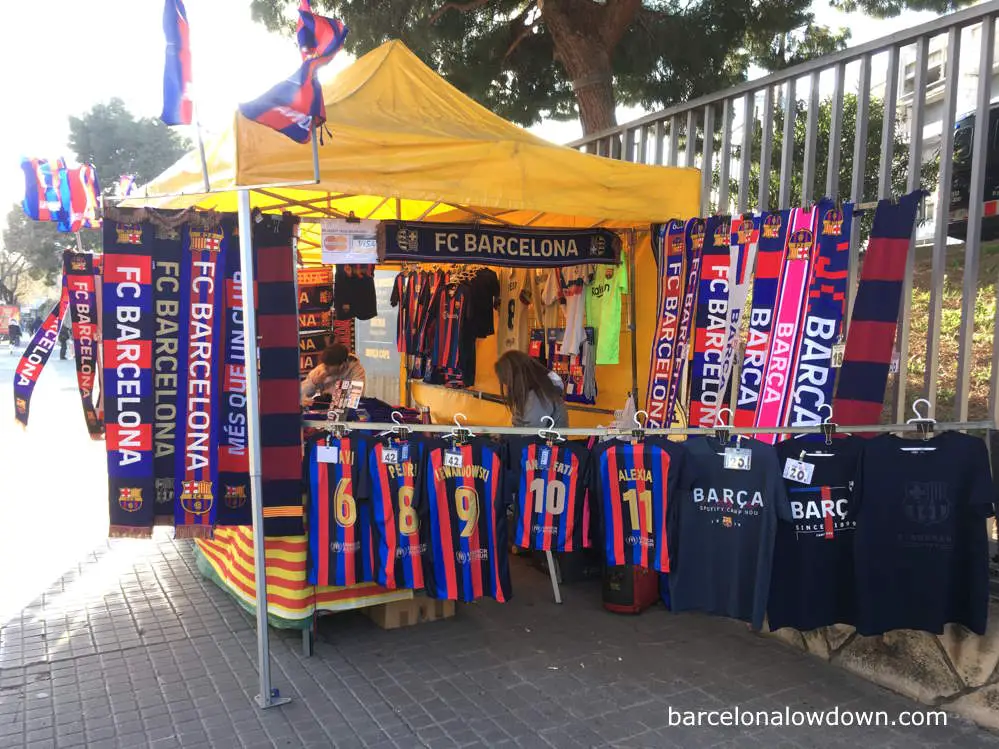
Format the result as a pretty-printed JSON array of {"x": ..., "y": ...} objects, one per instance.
[
  {"x": 461, "y": 433},
  {"x": 333, "y": 424},
  {"x": 638, "y": 433},
  {"x": 400, "y": 429},
  {"x": 924, "y": 425},
  {"x": 549, "y": 433},
  {"x": 828, "y": 429},
  {"x": 722, "y": 429}
]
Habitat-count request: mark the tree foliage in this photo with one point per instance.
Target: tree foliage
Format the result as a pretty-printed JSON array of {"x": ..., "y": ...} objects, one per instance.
[
  {"x": 528, "y": 60},
  {"x": 117, "y": 143}
]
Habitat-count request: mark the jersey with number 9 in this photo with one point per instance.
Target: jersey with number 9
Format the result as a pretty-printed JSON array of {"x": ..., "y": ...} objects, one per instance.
[
  {"x": 399, "y": 516},
  {"x": 466, "y": 532},
  {"x": 341, "y": 547},
  {"x": 550, "y": 484}
]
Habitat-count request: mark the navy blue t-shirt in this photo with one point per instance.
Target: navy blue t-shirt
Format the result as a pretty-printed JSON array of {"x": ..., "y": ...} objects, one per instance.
[
  {"x": 812, "y": 584},
  {"x": 921, "y": 540},
  {"x": 722, "y": 533}
]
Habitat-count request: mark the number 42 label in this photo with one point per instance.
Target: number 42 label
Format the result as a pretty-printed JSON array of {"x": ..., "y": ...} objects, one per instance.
[
  {"x": 799, "y": 471},
  {"x": 453, "y": 459}
]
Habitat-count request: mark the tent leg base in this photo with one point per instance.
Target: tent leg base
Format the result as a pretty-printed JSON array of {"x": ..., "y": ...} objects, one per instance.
[
  {"x": 307, "y": 642},
  {"x": 275, "y": 700}
]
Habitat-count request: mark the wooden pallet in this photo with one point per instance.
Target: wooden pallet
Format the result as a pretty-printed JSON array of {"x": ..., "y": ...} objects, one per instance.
[{"x": 416, "y": 610}]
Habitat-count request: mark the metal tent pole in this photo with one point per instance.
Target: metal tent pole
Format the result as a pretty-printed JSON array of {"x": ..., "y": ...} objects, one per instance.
[{"x": 267, "y": 696}]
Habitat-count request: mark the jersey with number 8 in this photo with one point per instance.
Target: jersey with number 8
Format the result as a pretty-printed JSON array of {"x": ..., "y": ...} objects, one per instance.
[
  {"x": 398, "y": 515},
  {"x": 340, "y": 528},
  {"x": 465, "y": 521},
  {"x": 550, "y": 483}
]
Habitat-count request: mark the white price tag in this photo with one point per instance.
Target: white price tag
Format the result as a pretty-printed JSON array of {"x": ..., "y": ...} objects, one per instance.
[
  {"x": 453, "y": 459},
  {"x": 797, "y": 470},
  {"x": 738, "y": 458},
  {"x": 390, "y": 456},
  {"x": 838, "y": 352},
  {"x": 328, "y": 453}
]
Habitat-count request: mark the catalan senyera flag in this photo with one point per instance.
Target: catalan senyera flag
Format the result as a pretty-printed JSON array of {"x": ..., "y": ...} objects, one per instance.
[
  {"x": 178, "y": 106},
  {"x": 295, "y": 106}
]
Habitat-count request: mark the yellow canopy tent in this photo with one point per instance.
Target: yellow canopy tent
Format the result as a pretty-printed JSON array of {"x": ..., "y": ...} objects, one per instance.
[{"x": 405, "y": 144}]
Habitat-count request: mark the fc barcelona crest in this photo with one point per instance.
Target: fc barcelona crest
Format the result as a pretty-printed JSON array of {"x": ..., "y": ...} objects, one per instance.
[
  {"x": 206, "y": 240},
  {"x": 799, "y": 245},
  {"x": 78, "y": 263},
  {"x": 771, "y": 226},
  {"x": 722, "y": 235},
  {"x": 598, "y": 247},
  {"x": 129, "y": 233},
  {"x": 130, "y": 498},
  {"x": 21, "y": 405},
  {"x": 234, "y": 497},
  {"x": 196, "y": 497},
  {"x": 675, "y": 244},
  {"x": 697, "y": 233},
  {"x": 745, "y": 233},
  {"x": 727, "y": 521},
  {"x": 832, "y": 223},
  {"x": 408, "y": 240}
]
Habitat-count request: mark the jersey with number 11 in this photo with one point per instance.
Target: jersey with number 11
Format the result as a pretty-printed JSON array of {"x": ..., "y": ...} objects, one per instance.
[
  {"x": 635, "y": 484},
  {"x": 340, "y": 541}
]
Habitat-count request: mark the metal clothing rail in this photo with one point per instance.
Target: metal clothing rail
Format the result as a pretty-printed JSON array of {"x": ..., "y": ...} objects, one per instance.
[{"x": 365, "y": 426}]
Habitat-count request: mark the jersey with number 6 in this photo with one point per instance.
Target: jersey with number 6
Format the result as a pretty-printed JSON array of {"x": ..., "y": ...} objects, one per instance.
[
  {"x": 340, "y": 541},
  {"x": 550, "y": 484},
  {"x": 465, "y": 532},
  {"x": 635, "y": 484},
  {"x": 394, "y": 470}
]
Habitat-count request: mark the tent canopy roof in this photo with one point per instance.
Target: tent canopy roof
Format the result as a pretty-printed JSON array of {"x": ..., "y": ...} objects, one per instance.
[{"x": 407, "y": 145}]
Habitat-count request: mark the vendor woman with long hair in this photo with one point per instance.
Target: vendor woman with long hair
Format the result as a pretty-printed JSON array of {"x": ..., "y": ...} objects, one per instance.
[{"x": 530, "y": 391}]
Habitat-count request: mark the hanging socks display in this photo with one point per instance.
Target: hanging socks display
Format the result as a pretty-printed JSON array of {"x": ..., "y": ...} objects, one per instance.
[
  {"x": 35, "y": 356},
  {"x": 864, "y": 376},
  {"x": 668, "y": 246},
  {"x": 769, "y": 263}
]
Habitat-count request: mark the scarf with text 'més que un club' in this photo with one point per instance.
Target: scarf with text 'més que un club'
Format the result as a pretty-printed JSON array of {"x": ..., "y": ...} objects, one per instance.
[
  {"x": 863, "y": 379},
  {"x": 785, "y": 336},
  {"x": 35, "y": 357},
  {"x": 711, "y": 325},
  {"x": 693, "y": 245},
  {"x": 813, "y": 380},
  {"x": 234, "y": 458},
  {"x": 78, "y": 270},
  {"x": 668, "y": 248},
  {"x": 202, "y": 305},
  {"x": 166, "y": 367},
  {"x": 128, "y": 376},
  {"x": 769, "y": 263}
]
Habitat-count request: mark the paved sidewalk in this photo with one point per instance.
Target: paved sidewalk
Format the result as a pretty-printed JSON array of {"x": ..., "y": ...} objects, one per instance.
[{"x": 132, "y": 648}]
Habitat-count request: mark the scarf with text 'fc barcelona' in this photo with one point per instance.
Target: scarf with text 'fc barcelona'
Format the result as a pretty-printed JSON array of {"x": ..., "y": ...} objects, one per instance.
[
  {"x": 668, "y": 248},
  {"x": 36, "y": 355},
  {"x": 202, "y": 305},
  {"x": 769, "y": 263},
  {"x": 693, "y": 245},
  {"x": 711, "y": 325},
  {"x": 128, "y": 376},
  {"x": 814, "y": 378},
  {"x": 78, "y": 270},
  {"x": 166, "y": 367},
  {"x": 864, "y": 377},
  {"x": 789, "y": 312},
  {"x": 234, "y": 458}
]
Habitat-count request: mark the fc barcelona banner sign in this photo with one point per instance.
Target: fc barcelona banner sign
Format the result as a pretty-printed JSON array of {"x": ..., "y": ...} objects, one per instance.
[{"x": 496, "y": 245}]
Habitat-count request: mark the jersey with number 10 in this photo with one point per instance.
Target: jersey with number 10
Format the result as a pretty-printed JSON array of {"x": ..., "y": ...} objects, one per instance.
[
  {"x": 466, "y": 522},
  {"x": 550, "y": 483},
  {"x": 340, "y": 540},
  {"x": 635, "y": 484},
  {"x": 394, "y": 472}
]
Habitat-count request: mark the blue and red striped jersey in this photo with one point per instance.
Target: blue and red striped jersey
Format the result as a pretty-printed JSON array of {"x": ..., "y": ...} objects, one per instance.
[
  {"x": 340, "y": 540},
  {"x": 635, "y": 484},
  {"x": 549, "y": 488},
  {"x": 452, "y": 312},
  {"x": 466, "y": 511},
  {"x": 394, "y": 470}
]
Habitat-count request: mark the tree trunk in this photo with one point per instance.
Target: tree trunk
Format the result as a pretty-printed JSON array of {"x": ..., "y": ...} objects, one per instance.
[{"x": 585, "y": 35}]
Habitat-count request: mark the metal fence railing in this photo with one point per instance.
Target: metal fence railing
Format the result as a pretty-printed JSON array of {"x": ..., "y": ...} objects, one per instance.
[{"x": 862, "y": 124}]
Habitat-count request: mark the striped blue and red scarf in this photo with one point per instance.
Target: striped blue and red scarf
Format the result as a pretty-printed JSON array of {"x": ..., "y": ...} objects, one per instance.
[
  {"x": 668, "y": 247},
  {"x": 712, "y": 324},
  {"x": 202, "y": 305},
  {"x": 863, "y": 379},
  {"x": 693, "y": 246},
  {"x": 78, "y": 270},
  {"x": 128, "y": 376},
  {"x": 36, "y": 356}
]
